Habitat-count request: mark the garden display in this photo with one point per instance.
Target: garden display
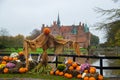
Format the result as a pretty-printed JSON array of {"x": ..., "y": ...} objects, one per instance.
[
  {"x": 15, "y": 63},
  {"x": 21, "y": 62},
  {"x": 46, "y": 40},
  {"x": 73, "y": 69}
]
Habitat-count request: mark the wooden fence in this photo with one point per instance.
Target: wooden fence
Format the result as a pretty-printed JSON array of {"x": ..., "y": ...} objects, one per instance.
[{"x": 101, "y": 58}]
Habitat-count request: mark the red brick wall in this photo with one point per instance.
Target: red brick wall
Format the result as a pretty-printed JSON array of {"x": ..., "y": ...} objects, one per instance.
[{"x": 82, "y": 37}]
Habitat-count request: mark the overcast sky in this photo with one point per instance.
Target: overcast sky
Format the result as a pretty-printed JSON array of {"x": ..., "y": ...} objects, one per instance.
[{"x": 22, "y": 16}]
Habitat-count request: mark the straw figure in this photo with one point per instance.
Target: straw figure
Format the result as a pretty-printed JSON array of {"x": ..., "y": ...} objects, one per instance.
[{"x": 46, "y": 40}]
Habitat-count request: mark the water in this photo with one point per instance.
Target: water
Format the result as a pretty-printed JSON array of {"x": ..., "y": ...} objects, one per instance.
[{"x": 106, "y": 62}]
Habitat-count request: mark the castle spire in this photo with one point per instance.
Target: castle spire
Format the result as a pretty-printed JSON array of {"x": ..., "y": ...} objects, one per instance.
[{"x": 58, "y": 20}]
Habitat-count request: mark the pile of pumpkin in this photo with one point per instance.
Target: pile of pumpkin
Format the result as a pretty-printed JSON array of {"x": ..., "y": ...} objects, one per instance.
[
  {"x": 15, "y": 63},
  {"x": 75, "y": 70}
]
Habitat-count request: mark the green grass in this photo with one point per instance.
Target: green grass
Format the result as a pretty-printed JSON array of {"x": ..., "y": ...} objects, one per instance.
[
  {"x": 36, "y": 76},
  {"x": 49, "y": 51}
]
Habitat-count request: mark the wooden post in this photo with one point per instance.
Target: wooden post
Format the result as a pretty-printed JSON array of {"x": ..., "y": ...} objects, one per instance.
[
  {"x": 74, "y": 58},
  {"x": 101, "y": 66},
  {"x": 56, "y": 60}
]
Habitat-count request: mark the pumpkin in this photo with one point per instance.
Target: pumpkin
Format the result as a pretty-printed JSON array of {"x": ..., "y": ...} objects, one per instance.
[
  {"x": 78, "y": 68},
  {"x": 79, "y": 76},
  {"x": 5, "y": 70},
  {"x": 71, "y": 68},
  {"x": 86, "y": 78},
  {"x": 70, "y": 61},
  {"x": 51, "y": 72},
  {"x": 100, "y": 77},
  {"x": 61, "y": 73},
  {"x": 10, "y": 58},
  {"x": 86, "y": 71},
  {"x": 5, "y": 58},
  {"x": 57, "y": 72},
  {"x": 46, "y": 31},
  {"x": 74, "y": 64},
  {"x": 92, "y": 71},
  {"x": 21, "y": 70},
  {"x": 92, "y": 78},
  {"x": 61, "y": 67},
  {"x": 21, "y": 53},
  {"x": 3, "y": 62},
  {"x": 69, "y": 76},
  {"x": 66, "y": 74},
  {"x": 15, "y": 58},
  {"x": 92, "y": 68}
]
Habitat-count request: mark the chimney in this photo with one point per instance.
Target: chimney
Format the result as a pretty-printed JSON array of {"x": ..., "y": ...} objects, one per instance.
[
  {"x": 54, "y": 22},
  {"x": 79, "y": 23},
  {"x": 43, "y": 25}
]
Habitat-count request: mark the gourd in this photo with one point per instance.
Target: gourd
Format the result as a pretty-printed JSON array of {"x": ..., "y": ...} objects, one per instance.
[
  {"x": 79, "y": 76},
  {"x": 2, "y": 66},
  {"x": 46, "y": 31},
  {"x": 6, "y": 70},
  {"x": 5, "y": 58},
  {"x": 21, "y": 53}
]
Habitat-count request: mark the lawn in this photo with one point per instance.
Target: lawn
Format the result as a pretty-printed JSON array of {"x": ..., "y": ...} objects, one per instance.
[{"x": 36, "y": 76}]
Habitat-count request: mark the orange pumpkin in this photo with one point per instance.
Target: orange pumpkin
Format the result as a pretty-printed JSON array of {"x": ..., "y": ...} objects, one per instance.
[
  {"x": 92, "y": 68},
  {"x": 57, "y": 72},
  {"x": 92, "y": 78},
  {"x": 15, "y": 58},
  {"x": 5, "y": 58},
  {"x": 46, "y": 31},
  {"x": 71, "y": 68},
  {"x": 6, "y": 70},
  {"x": 74, "y": 64},
  {"x": 66, "y": 74},
  {"x": 85, "y": 71},
  {"x": 78, "y": 68},
  {"x": 100, "y": 77},
  {"x": 69, "y": 76},
  {"x": 86, "y": 78},
  {"x": 3, "y": 62},
  {"x": 51, "y": 72},
  {"x": 92, "y": 71},
  {"x": 10, "y": 58},
  {"x": 21, "y": 70},
  {"x": 69, "y": 61},
  {"x": 61, "y": 73},
  {"x": 79, "y": 76}
]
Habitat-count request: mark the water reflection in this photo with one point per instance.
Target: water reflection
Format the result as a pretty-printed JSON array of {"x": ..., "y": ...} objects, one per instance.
[{"x": 106, "y": 62}]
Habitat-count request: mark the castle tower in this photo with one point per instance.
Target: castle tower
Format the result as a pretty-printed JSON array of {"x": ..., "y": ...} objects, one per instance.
[{"x": 58, "y": 20}]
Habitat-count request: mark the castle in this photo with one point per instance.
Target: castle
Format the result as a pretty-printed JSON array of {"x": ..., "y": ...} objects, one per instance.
[{"x": 79, "y": 33}]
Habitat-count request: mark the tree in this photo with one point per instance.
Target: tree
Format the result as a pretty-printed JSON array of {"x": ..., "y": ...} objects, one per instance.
[
  {"x": 111, "y": 25},
  {"x": 3, "y": 37},
  {"x": 34, "y": 34},
  {"x": 4, "y": 32},
  {"x": 18, "y": 41},
  {"x": 94, "y": 40}
]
